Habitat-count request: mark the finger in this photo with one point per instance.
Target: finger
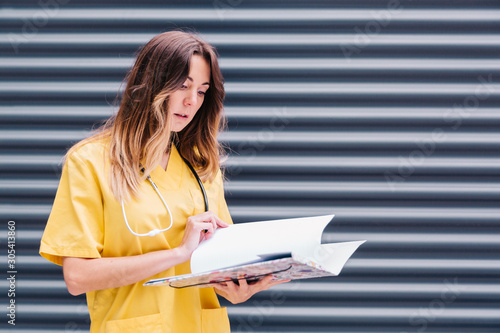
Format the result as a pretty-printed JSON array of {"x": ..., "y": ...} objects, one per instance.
[
  {"x": 207, "y": 230},
  {"x": 274, "y": 283},
  {"x": 206, "y": 217},
  {"x": 217, "y": 222},
  {"x": 220, "y": 223},
  {"x": 266, "y": 279},
  {"x": 243, "y": 283},
  {"x": 211, "y": 217},
  {"x": 265, "y": 283},
  {"x": 208, "y": 226},
  {"x": 213, "y": 221},
  {"x": 231, "y": 286},
  {"x": 221, "y": 286},
  {"x": 203, "y": 217},
  {"x": 203, "y": 229},
  {"x": 253, "y": 280}
]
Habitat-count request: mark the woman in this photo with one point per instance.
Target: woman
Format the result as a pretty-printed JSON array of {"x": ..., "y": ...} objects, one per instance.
[{"x": 171, "y": 109}]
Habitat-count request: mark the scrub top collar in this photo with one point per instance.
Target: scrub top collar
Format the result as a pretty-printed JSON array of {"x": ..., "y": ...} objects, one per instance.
[{"x": 170, "y": 179}]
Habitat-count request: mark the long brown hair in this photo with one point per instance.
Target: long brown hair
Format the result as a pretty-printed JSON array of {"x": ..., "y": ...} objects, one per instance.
[{"x": 140, "y": 130}]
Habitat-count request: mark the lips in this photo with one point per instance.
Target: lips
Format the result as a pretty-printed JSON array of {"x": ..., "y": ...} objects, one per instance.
[{"x": 182, "y": 115}]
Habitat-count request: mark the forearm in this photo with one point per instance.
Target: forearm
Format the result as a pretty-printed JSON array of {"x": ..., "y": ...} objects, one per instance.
[{"x": 83, "y": 275}]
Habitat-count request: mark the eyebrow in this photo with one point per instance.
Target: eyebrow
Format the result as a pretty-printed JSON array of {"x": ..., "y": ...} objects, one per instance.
[{"x": 203, "y": 84}]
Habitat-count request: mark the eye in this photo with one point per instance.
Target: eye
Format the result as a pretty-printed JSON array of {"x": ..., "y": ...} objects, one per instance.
[{"x": 203, "y": 93}]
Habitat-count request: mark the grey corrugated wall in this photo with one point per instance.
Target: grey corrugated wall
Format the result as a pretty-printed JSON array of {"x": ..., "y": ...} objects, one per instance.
[{"x": 385, "y": 113}]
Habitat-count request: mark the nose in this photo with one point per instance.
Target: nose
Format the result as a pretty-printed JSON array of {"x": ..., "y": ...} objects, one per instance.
[{"x": 190, "y": 98}]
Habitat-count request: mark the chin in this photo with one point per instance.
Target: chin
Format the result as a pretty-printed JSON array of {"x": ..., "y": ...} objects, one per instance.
[{"x": 177, "y": 129}]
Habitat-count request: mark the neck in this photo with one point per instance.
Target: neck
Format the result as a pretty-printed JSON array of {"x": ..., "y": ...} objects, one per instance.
[{"x": 164, "y": 160}]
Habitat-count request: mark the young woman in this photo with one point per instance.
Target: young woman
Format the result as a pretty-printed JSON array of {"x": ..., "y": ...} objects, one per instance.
[{"x": 112, "y": 229}]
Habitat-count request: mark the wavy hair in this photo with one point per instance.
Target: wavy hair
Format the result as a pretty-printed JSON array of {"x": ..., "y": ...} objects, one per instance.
[{"x": 140, "y": 132}]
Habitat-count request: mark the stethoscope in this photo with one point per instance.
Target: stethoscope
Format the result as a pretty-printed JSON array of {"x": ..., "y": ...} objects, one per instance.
[{"x": 155, "y": 232}]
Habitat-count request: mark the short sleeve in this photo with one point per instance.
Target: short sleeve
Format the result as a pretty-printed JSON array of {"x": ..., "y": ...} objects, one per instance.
[
  {"x": 75, "y": 225},
  {"x": 223, "y": 209}
]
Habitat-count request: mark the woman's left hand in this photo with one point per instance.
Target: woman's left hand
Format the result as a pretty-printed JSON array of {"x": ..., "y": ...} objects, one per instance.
[{"x": 235, "y": 293}]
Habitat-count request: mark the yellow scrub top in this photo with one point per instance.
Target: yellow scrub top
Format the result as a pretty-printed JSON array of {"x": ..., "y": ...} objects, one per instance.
[{"x": 86, "y": 221}]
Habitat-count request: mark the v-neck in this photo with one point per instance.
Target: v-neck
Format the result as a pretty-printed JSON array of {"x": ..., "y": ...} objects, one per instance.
[{"x": 171, "y": 178}]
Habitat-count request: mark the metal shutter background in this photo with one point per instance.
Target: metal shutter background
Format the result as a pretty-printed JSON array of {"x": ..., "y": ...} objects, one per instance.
[{"x": 385, "y": 113}]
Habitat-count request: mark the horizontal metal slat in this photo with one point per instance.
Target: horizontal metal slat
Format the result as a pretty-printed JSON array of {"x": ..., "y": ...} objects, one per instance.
[
  {"x": 109, "y": 64},
  {"x": 354, "y": 189},
  {"x": 458, "y": 95},
  {"x": 357, "y": 139},
  {"x": 53, "y": 312},
  {"x": 342, "y": 64},
  {"x": 485, "y": 89},
  {"x": 242, "y": 44},
  {"x": 311, "y": 165},
  {"x": 455, "y": 216},
  {"x": 423, "y": 266},
  {"x": 266, "y": 4},
  {"x": 391, "y": 89},
  {"x": 19, "y": 211},
  {"x": 305, "y": 315},
  {"x": 251, "y": 142},
  {"x": 259, "y": 15},
  {"x": 303, "y": 165},
  {"x": 321, "y": 290},
  {"x": 41, "y": 288},
  {"x": 262, "y": 39},
  {"x": 393, "y": 289},
  {"x": 458, "y": 217},
  {"x": 307, "y": 69},
  {"x": 276, "y": 118},
  {"x": 31, "y": 162},
  {"x": 347, "y": 39},
  {"x": 368, "y": 315},
  {"x": 307, "y": 189},
  {"x": 65, "y": 114},
  {"x": 32, "y": 138}
]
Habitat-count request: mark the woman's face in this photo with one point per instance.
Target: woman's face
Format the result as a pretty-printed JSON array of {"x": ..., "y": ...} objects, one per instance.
[{"x": 185, "y": 102}]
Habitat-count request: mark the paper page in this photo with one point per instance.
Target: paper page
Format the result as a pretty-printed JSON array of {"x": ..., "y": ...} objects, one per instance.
[
  {"x": 332, "y": 257},
  {"x": 247, "y": 242}
]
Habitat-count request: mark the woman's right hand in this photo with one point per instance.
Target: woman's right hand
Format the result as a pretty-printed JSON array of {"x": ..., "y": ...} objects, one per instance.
[{"x": 199, "y": 227}]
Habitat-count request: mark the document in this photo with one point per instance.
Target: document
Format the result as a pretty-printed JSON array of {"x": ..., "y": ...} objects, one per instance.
[{"x": 287, "y": 249}]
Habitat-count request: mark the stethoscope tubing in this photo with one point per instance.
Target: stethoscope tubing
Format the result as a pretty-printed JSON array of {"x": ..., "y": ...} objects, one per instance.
[{"x": 155, "y": 232}]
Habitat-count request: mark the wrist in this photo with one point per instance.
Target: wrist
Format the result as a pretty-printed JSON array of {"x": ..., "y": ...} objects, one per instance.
[{"x": 182, "y": 254}]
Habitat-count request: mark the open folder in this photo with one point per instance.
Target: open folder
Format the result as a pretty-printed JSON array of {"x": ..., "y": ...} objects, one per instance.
[{"x": 287, "y": 249}]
